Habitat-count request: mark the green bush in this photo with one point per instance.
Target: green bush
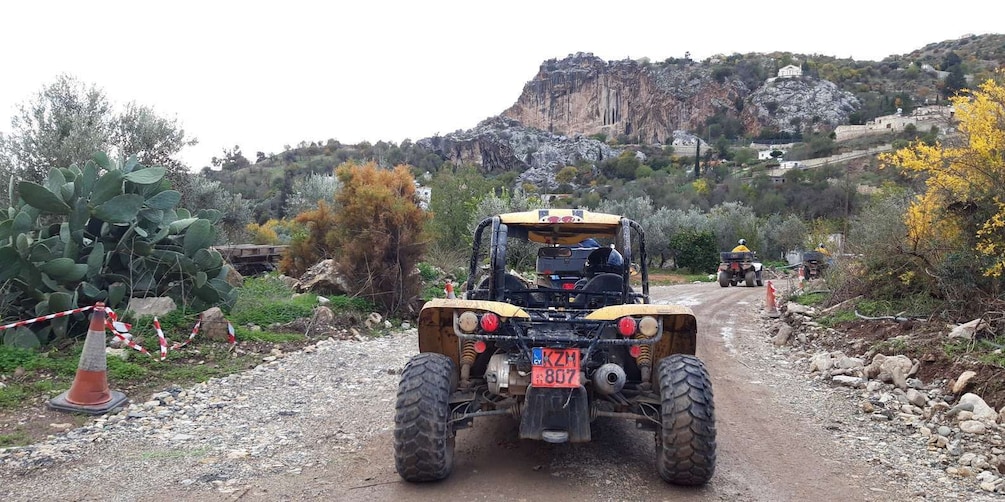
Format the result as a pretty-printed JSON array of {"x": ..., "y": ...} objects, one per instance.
[
  {"x": 103, "y": 233},
  {"x": 836, "y": 318},
  {"x": 695, "y": 251},
  {"x": 12, "y": 357},
  {"x": 810, "y": 299},
  {"x": 356, "y": 303},
  {"x": 280, "y": 312},
  {"x": 427, "y": 271}
]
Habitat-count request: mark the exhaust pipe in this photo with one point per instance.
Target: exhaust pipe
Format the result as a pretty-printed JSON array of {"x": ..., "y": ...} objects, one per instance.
[{"x": 609, "y": 379}]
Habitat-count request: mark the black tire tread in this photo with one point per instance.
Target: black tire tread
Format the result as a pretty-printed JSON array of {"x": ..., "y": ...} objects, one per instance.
[
  {"x": 423, "y": 438},
  {"x": 685, "y": 443}
]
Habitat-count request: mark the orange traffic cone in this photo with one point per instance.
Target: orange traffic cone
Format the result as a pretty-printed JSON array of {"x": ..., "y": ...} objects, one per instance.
[
  {"x": 769, "y": 301},
  {"x": 89, "y": 392},
  {"x": 448, "y": 289}
]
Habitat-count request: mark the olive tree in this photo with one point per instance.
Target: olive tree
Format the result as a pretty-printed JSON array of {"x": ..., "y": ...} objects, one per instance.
[{"x": 67, "y": 121}]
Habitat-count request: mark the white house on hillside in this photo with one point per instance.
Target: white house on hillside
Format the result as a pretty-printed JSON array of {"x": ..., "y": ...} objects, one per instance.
[{"x": 790, "y": 71}]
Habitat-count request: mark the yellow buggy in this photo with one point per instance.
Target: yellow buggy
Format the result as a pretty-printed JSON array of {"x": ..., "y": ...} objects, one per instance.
[{"x": 556, "y": 355}]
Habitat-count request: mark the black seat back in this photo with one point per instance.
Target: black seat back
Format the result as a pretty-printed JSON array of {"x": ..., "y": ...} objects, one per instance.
[{"x": 610, "y": 284}]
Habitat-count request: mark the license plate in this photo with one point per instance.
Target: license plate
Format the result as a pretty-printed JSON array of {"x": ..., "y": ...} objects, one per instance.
[{"x": 555, "y": 368}]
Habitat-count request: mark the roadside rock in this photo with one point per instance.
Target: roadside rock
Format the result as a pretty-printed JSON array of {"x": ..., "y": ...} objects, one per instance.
[
  {"x": 962, "y": 381},
  {"x": 213, "y": 325}
]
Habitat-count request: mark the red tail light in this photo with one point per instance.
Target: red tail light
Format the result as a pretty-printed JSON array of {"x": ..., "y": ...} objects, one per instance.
[
  {"x": 569, "y": 285},
  {"x": 490, "y": 322},
  {"x": 626, "y": 326}
]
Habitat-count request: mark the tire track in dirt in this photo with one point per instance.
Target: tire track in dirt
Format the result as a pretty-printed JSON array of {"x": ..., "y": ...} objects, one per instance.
[{"x": 765, "y": 450}]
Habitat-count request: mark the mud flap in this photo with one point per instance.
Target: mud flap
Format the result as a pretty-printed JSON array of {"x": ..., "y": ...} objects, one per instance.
[{"x": 556, "y": 415}]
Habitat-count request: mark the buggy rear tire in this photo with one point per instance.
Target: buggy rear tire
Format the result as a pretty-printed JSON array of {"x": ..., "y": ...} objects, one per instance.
[
  {"x": 749, "y": 278},
  {"x": 685, "y": 440},
  {"x": 724, "y": 279},
  {"x": 423, "y": 436}
]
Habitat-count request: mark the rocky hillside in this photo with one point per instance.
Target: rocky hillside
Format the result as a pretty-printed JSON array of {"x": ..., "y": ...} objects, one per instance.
[
  {"x": 583, "y": 94},
  {"x": 736, "y": 96},
  {"x": 581, "y": 110},
  {"x": 503, "y": 144},
  {"x": 788, "y": 104}
]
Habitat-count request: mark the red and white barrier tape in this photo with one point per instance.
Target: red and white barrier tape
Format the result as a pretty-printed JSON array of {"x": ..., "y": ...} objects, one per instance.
[
  {"x": 118, "y": 328},
  {"x": 121, "y": 330},
  {"x": 160, "y": 337},
  {"x": 195, "y": 329},
  {"x": 18, "y": 324}
]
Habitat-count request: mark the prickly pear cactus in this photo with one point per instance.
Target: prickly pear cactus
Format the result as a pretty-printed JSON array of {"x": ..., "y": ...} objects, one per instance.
[{"x": 106, "y": 232}]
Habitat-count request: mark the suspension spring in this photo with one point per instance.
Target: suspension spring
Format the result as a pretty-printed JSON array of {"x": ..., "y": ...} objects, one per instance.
[
  {"x": 468, "y": 353},
  {"x": 645, "y": 360}
]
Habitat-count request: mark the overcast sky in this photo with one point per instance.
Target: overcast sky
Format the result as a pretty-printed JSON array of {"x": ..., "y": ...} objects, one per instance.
[{"x": 265, "y": 74}]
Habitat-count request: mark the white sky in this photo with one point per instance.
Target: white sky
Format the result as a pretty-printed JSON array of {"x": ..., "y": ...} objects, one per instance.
[{"x": 265, "y": 74}]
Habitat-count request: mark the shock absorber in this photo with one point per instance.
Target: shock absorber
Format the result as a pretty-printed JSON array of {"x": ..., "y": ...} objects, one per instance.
[
  {"x": 643, "y": 355},
  {"x": 468, "y": 354}
]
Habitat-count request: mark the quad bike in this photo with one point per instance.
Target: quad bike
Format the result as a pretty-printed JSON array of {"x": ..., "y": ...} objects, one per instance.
[
  {"x": 814, "y": 263},
  {"x": 735, "y": 267},
  {"x": 555, "y": 358}
]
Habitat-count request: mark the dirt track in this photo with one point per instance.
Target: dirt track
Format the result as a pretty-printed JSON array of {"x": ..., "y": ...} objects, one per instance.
[
  {"x": 317, "y": 426},
  {"x": 765, "y": 452}
]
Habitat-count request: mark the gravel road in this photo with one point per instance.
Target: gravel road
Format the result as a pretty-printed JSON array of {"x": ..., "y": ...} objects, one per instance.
[{"x": 317, "y": 424}]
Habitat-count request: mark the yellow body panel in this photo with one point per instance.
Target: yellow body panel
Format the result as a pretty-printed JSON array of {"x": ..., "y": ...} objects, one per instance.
[
  {"x": 680, "y": 329},
  {"x": 638, "y": 309},
  {"x": 436, "y": 322},
  {"x": 580, "y": 225}
]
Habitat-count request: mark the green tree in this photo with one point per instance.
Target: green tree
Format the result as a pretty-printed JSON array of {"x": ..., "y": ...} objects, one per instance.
[
  {"x": 67, "y": 121},
  {"x": 202, "y": 193},
  {"x": 958, "y": 223},
  {"x": 695, "y": 250},
  {"x": 63, "y": 124},
  {"x": 309, "y": 191},
  {"x": 455, "y": 192},
  {"x": 232, "y": 160},
  {"x": 954, "y": 83},
  {"x": 567, "y": 174},
  {"x": 154, "y": 140}
]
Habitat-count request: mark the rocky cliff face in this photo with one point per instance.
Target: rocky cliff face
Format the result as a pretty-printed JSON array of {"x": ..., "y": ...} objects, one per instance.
[
  {"x": 583, "y": 94},
  {"x": 793, "y": 104},
  {"x": 501, "y": 144}
]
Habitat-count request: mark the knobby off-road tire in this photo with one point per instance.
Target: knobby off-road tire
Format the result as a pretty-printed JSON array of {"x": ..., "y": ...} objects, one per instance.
[
  {"x": 423, "y": 437},
  {"x": 685, "y": 442},
  {"x": 749, "y": 278},
  {"x": 724, "y": 279}
]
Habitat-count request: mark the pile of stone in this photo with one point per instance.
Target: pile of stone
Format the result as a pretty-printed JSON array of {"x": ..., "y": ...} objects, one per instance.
[{"x": 963, "y": 434}]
